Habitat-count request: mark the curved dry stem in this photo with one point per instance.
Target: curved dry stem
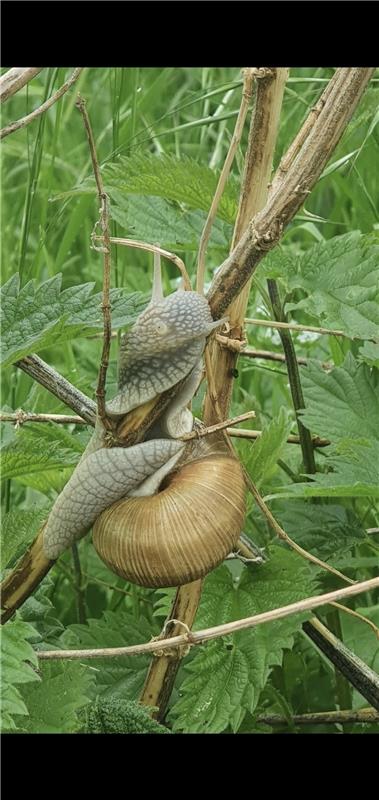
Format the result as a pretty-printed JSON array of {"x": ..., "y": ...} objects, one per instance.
[
  {"x": 247, "y": 91},
  {"x": 21, "y": 123},
  {"x": 226, "y": 629},
  {"x": 152, "y": 248}
]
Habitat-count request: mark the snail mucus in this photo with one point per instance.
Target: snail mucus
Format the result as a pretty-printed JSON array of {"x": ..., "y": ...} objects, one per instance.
[{"x": 163, "y": 512}]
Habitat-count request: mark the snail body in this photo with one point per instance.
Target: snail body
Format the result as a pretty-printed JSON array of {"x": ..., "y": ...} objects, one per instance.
[{"x": 163, "y": 512}]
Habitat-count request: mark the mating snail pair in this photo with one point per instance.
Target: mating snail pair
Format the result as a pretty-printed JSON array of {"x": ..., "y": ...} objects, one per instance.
[{"x": 164, "y": 512}]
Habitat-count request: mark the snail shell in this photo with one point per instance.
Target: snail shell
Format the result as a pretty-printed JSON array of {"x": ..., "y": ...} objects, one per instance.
[{"x": 179, "y": 534}]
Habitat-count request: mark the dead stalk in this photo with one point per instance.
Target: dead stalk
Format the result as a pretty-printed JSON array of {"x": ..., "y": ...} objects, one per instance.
[{"x": 21, "y": 123}]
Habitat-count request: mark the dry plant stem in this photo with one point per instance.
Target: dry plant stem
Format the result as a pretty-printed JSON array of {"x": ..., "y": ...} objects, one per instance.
[
  {"x": 294, "y": 149},
  {"x": 282, "y": 205},
  {"x": 106, "y": 249},
  {"x": 289, "y": 326},
  {"x": 257, "y": 173},
  {"x": 284, "y": 536},
  {"x": 152, "y": 248},
  {"x": 21, "y": 123},
  {"x": 14, "y": 80},
  {"x": 294, "y": 379},
  {"x": 57, "y": 385},
  {"x": 163, "y": 669},
  {"x": 244, "y": 433},
  {"x": 24, "y": 578},
  {"x": 364, "y": 679},
  {"x": 226, "y": 629},
  {"x": 220, "y": 426},
  {"x": 261, "y": 145},
  {"x": 247, "y": 90},
  {"x": 20, "y": 417},
  {"x": 268, "y": 355},
  {"x": 356, "y": 614},
  {"x": 362, "y": 715}
]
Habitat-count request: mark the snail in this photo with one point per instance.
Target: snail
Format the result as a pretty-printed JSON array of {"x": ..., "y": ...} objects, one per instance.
[{"x": 164, "y": 512}]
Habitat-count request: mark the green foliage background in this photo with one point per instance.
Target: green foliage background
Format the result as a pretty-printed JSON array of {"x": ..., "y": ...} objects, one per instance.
[{"x": 162, "y": 136}]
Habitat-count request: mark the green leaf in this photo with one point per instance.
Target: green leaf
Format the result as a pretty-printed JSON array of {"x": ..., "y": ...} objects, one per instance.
[
  {"x": 41, "y": 456},
  {"x": 369, "y": 353},
  {"x": 17, "y": 661},
  {"x": 116, "y": 715},
  {"x": 154, "y": 219},
  {"x": 340, "y": 277},
  {"x": 39, "y": 611},
  {"x": 225, "y": 678},
  {"x": 360, "y": 638},
  {"x": 342, "y": 403},
  {"x": 18, "y": 530},
  {"x": 328, "y": 531},
  {"x": 260, "y": 459},
  {"x": 53, "y": 704},
  {"x": 184, "y": 180},
  {"x": 34, "y": 318},
  {"x": 123, "y": 676}
]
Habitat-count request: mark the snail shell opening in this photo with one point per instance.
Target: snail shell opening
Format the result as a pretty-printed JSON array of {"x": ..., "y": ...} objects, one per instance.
[{"x": 179, "y": 534}]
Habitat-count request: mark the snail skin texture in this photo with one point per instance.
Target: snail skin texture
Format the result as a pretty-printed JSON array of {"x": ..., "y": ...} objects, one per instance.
[{"x": 163, "y": 512}]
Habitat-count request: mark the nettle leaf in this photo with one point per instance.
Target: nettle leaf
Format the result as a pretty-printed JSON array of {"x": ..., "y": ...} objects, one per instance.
[
  {"x": 360, "y": 638},
  {"x": 17, "y": 661},
  {"x": 39, "y": 610},
  {"x": 260, "y": 459},
  {"x": 18, "y": 530},
  {"x": 122, "y": 676},
  {"x": 341, "y": 405},
  {"x": 328, "y": 531},
  {"x": 340, "y": 277},
  {"x": 41, "y": 456},
  {"x": 369, "y": 353},
  {"x": 116, "y": 715},
  {"x": 34, "y": 318},
  {"x": 154, "y": 219},
  {"x": 53, "y": 704},
  {"x": 224, "y": 679},
  {"x": 183, "y": 180}
]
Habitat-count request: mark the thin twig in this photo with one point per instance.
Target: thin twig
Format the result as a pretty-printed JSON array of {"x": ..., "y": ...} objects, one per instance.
[
  {"x": 356, "y": 614},
  {"x": 245, "y": 433},
  {"x": 268, "y": 323},
  {"x": 20, "y": 123},
  {"x": 153, "y": 248},
  {"x": 226, "y": 629},
  {"x": 59, "y": 386},
  {"x": 249, "y": 75},
  {"x": 106, "y": 250},
  {"x": 15, "y": 79},
  {"x": 268, "y": 355},
  {"x": 198, "y": 433},
  {"x": 361, "y": 715},
  {"x": 20, "y": 416},
  {"x": 284, "y": 536}
]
